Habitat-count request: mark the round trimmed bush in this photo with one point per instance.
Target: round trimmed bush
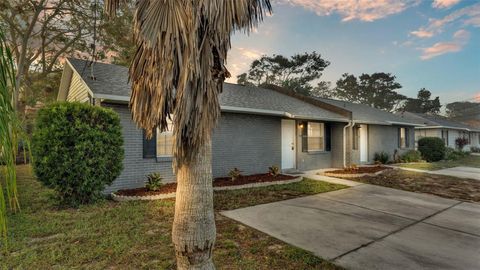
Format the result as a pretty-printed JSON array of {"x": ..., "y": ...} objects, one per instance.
[
  {"x": 432, "y": 148},
  {"x": 412, "y": 156},
  {"x": 77, "y": 150}
]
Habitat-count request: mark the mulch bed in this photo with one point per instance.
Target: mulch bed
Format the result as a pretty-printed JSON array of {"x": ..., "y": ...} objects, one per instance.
[
  {"x": 360, "y": 170},
  {"x": 217, "y": 182}
]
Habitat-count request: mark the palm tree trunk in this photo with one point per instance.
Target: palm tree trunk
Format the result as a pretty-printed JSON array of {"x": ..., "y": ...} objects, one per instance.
[{"x": 194, "y": 224}]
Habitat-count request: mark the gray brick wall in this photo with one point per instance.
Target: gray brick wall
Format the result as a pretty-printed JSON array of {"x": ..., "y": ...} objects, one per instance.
[
  {"x": 385, "y": 138},
  {"x": 249, "y": 142},
  {"x": 337, "y": 144},
  {"x": 311, "y": 160},
  {"x": 135, "y": 167}
]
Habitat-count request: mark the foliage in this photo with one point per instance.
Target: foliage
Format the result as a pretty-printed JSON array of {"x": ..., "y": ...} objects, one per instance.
[
  {"x": 377, "y": 90},
  {"x": 234, "y": 174},
  {"x": 454, "y": 154},
  {"x": 77, "y": 150},
  {"x": 43, "y": 32},
  {"x": 295, "y": 73},
  {"x": 411, "y": 156},
  {"x": 154, "y": 181},
  {"x": 463, "y": 109},
  {"x": 475, "y": 149},
  {"x": 423, "y": 103},
  {"x": 460, "y": 142},
  {"x": 381, "y": 157},
  {"x": 10, "y": 135},
  {"x": 274, "y": 170},
  {"x": 432, "y": 148}
]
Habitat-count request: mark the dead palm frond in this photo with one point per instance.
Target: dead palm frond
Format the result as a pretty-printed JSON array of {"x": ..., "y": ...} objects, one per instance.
[{"x": 179, "y": 65}]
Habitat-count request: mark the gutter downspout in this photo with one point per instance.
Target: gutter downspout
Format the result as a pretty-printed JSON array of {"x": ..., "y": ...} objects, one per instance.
[{"x": 349, "y": 125}]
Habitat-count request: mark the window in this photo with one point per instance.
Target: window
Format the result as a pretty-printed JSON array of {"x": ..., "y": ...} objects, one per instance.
[
  {"x": 165, "y": 141},
  {"x": 403, "y": 138},
  {"x": 315, "y": 136}
]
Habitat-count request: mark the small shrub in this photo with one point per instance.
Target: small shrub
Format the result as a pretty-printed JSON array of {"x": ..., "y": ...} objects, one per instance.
[
  {"x": 77, "y": 150},
  {"x": 235, "y": 174},
  {"x": 461, "y": 142},
  {"x": 453, "y": 154},
  {"x": 381, "y": 157},
  {"x": 274, "y": 171},
  {"x": 411, "y": 156},
  {"x": 432, "y": 148},
  {"x": 154, "y": 182},
  {"x": 475, "y": 149}
]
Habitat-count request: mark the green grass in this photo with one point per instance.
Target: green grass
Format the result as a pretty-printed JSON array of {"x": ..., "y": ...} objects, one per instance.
[
  {"x": 136, "y": 235},
  {"x": 468, "y": 161}
]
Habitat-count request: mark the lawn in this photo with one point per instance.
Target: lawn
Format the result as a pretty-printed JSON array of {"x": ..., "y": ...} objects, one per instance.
[
  {"x": 440, "y": 185},
  {"x": 469, "y": 161},
  {"x": 136, "y": 235}
]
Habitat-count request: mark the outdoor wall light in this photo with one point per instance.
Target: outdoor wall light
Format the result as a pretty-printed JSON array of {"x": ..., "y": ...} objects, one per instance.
[{"x": 300, "y": 125}]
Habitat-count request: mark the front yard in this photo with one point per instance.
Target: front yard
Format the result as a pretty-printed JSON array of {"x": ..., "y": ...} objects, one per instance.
[
  {"x": 440, "y": 185},
  {"x": 136, "y": 235},
  {"x": 469, "y": 161}
]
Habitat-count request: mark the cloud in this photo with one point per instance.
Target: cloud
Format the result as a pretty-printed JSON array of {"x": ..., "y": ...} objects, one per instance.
[
  {"x": 460, "y": 39},
  {"x": 362, "y": 10},
  {"x": 467, "y": 16},
  {"x": 477, "y": 97},
  {"x": 239, "y": 60},
  {"x": 421, "y": 33},
  {"x": 444, "y": 3}
]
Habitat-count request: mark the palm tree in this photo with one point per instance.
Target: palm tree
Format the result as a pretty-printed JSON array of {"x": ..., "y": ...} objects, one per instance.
[
  {"x": 179, "y": 69},
  {"x": 10, "y": 132}
]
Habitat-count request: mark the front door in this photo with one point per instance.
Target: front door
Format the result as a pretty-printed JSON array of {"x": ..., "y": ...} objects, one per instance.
[
  {"x": 288, "y": 144},
  {"x": 363, "y": 143}
]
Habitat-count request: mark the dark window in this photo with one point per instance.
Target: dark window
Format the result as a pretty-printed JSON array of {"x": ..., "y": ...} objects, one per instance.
[
  {"x": 356, "y": 137},
  {"x": 150, "y": 146}
]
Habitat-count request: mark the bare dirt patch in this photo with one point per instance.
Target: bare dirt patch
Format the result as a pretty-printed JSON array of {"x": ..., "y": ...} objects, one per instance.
[
  {"x": 441, "y": 185},
  {"x": 359, "y": 170}
]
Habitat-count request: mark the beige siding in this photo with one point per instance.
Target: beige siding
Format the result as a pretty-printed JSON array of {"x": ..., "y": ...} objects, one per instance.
[{"x": 78, "y": 91}]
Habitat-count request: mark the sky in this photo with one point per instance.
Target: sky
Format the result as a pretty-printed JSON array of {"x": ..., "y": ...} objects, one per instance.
[{"x": 432, "y": 44}]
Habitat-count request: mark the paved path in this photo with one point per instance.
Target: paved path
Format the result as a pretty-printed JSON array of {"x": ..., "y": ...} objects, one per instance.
[
  {"x": 373, "y": 227},
  {"x": 461, "y": 172}
]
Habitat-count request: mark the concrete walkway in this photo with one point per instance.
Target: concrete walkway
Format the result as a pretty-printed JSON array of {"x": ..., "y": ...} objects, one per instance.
[
  {"x": 461, "y": 172},
  {"x": 373, "y": 227}
]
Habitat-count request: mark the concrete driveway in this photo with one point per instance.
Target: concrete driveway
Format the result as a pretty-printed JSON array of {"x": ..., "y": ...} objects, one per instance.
[
  {"x": 372, "y": 227},
  {"x": 462, "y": 172}
]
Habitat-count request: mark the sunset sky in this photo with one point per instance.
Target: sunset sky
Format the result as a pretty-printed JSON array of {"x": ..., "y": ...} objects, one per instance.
[{"x": 431, "y": 44}]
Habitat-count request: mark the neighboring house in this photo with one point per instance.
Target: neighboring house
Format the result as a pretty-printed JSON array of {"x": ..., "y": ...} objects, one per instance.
[
  {"x": 441, "y": 127},
  {"x": 258, "y": 128}
]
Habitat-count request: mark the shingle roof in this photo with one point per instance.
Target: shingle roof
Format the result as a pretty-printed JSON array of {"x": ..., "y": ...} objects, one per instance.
[
  {"x": 112, "y": 80},
  {"x": 365, "y": 113},
  {"x": 435, "y": 121}
]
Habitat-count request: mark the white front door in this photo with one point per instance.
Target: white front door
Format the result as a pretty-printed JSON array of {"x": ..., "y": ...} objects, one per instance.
[
  {"x": 288, "y": 144},
  {"x": 363, "y": 143}
]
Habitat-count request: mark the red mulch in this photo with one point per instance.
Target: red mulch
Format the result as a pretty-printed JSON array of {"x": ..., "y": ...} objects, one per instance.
[
  {"x": 358, "y": 170},
  {"x": 217, "y": 182}
]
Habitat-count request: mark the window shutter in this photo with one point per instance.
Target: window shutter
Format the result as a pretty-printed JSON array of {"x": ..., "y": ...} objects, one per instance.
[
  {"x": 407, "y": 137},
  {"x": 399, "y": 137},
  {"x": 305, "y": 137},
  {"x": 150, "y": 146},
  {"x": 328, "y": 137}
]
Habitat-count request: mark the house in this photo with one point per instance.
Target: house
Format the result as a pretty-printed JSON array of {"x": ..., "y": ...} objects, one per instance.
[
  {"x": 441, "y": 127},
  {"x": 258, "y": 128}
]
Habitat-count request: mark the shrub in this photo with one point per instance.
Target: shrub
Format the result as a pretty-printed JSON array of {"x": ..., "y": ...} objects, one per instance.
[
  {"x": 235, "y": 174},
  {"x": 453, "y": 154},
  {"x": 381, "y": 157},
  {"x": 461, "y": 142},
  {"x": 475, "y": 149},
  {"x": 411, "y": 156},
  {"x": 154, "y": 182},
  {"x": 77, "y": 150},
  {"x": 274, "y": 170},
  {"x": 432, "y": 148}
]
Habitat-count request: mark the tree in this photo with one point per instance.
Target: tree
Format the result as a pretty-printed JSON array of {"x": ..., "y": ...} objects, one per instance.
[
  {"x": 323, "y": 90},
  {"x": 296, "y": 73},
  {"x": 423, "y": 103},
  {"x": 40, "y": 32},
  {"x": 463, "y": 110},
  {"x": 179, "y": 69},
  {"x": 377, "y": 90}
]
